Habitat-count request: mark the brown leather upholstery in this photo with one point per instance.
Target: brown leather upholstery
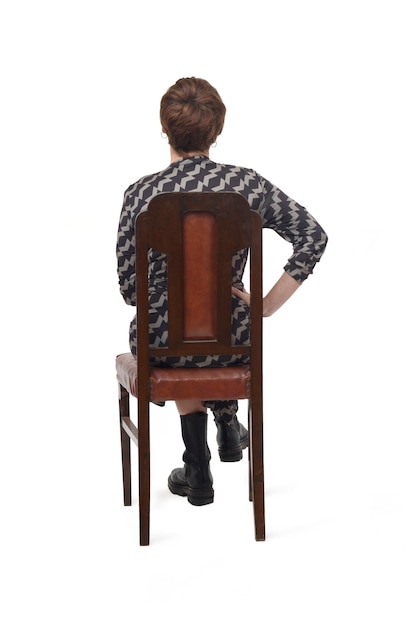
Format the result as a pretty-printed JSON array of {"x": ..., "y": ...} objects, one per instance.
[
  {"x": 199, "y": 233},
  {"x": 179, "y": 384},
  {"x": 206, "y": 384},
  {"x": 200, "y": 288},
  {"x": 127, "y": 373}
]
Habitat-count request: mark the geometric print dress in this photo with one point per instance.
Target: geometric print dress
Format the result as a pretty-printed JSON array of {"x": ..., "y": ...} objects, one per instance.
[{"x": 278, "y": 212}]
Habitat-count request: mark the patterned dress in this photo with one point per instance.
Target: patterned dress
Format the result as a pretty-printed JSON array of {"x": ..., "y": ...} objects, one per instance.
[{"x": 279, "y": 212}]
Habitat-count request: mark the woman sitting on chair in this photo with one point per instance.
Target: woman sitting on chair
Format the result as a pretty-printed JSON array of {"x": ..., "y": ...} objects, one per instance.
[{"x": 192, "y": 116}]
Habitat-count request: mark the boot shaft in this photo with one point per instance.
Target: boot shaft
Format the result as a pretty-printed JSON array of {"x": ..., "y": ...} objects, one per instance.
[{"x": 197, "y": 453}]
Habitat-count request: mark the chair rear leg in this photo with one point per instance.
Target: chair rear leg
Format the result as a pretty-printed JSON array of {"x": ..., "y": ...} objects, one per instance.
[
  {"x": 257, "y": 472},
  {"x": 250, "y": 452},
  {"x": 124, "y": 411},
  {"x": 144, "y": 471}
]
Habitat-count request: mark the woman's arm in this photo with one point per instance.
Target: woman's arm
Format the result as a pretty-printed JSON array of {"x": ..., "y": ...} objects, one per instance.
[
  {"x": 296, "y": 225},
  {"x": 276, "y": 297},
  {"x": 125, "y": 252}
]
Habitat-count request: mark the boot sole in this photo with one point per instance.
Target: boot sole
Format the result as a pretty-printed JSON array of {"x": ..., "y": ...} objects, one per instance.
[{"x": 196, "y": 497}]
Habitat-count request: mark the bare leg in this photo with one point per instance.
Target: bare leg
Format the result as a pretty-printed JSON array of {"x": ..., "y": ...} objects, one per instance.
[{"x": 185, "y": 407}]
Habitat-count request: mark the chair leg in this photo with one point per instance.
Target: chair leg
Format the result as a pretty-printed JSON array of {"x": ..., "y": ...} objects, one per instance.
[
  {"x": 250, "y": 482},
  {"x": 144, "y": 471},
  {"x": 125, "y": 446},
  {"x": 257, "y": 471}
]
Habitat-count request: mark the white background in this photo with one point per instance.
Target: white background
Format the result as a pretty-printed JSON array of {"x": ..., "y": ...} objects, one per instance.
[{"x": 321, "y": 100}]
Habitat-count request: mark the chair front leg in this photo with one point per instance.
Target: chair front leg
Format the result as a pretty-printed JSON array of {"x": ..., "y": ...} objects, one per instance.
[{"x": 124, "y": 411}]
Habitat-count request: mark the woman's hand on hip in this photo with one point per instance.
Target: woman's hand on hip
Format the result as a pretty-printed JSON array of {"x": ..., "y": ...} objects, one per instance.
[
  {"x": 243, "y": 295},
  {"x": 283, "y": 289}
]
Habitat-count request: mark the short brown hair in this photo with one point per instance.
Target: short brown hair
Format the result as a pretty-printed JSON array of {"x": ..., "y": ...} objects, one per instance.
[{"x": 192, "y": 115}]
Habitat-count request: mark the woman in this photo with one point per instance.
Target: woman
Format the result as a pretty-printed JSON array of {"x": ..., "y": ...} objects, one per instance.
[{"x": 192, "y": 116}]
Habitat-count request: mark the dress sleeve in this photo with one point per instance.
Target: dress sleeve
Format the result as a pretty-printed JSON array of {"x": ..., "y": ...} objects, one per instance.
[
  {"x": 297, "y": 226},
  {"x": 125, "y": 251}
]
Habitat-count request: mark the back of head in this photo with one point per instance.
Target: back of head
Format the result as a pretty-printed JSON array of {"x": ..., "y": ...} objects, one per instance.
[{"x": 192, "y": 115}]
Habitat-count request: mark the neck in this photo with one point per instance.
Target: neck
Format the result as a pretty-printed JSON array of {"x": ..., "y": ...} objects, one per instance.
[{"x": 177, "y": 157}]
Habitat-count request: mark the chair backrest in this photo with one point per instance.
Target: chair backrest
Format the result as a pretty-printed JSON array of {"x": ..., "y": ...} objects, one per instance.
[{"x": 199, "y": 232}]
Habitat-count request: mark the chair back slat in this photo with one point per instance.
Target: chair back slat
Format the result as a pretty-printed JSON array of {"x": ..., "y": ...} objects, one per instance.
[{"x": 199, "y": 232}]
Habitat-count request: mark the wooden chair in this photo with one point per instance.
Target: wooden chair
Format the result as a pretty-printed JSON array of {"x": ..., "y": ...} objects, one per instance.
[{"x": 199, "y": 232}]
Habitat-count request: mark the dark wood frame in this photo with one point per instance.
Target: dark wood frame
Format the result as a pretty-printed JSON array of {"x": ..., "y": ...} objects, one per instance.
[{"x": 162, "y": 227}]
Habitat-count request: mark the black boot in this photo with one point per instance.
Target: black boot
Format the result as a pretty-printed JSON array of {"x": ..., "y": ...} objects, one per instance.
[
  {"x": 194, "y": 480},
  {"x": 232, "y": 438}
]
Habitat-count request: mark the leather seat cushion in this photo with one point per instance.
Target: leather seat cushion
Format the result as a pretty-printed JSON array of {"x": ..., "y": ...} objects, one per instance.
[{"x": 210, "y": 383}]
